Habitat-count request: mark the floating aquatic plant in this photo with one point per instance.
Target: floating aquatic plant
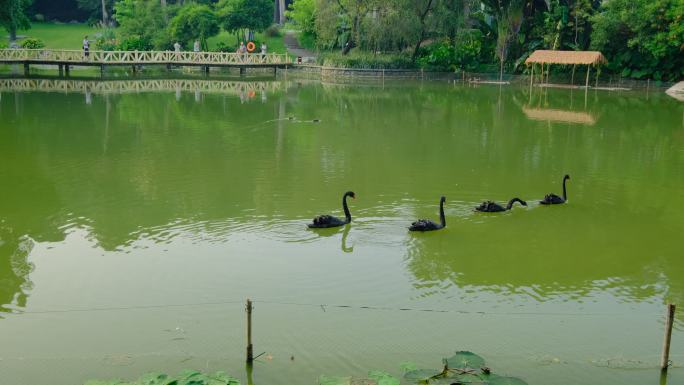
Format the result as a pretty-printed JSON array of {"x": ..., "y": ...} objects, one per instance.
[
  {"x": 463, "y": 368},
  {"x": 188, "y": 377}
]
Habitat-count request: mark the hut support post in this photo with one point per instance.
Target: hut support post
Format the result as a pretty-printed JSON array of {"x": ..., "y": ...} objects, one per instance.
[
  {"x": 532, "y": 75},
  {"x": 586, "y": 85},
  {"x": 572, "y": 78},
  {"x": 548, "y": 73},
  {"x": 598, "y": 71}
]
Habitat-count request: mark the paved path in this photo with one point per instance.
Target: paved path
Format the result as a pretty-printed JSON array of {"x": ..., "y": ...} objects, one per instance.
[{"x": 294, "y": 48}]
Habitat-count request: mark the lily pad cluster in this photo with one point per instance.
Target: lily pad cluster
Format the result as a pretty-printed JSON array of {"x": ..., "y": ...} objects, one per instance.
[
  {"x": 188, "y": 377},
  {"x": 460, "y": 369}
]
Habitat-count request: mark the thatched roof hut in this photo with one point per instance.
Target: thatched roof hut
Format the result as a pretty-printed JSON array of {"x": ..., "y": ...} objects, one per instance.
[
  {"x": 566, "y": 57},
  {"x": 548, "y": 57}
]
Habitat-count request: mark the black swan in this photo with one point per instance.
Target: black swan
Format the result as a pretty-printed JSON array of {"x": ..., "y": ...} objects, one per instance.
[
  {"x": 553, "y": 199},
  {"x": 326, "y": 221},
  {"x": 493, "y": 207},
  {"x": 428, "y": 225}
]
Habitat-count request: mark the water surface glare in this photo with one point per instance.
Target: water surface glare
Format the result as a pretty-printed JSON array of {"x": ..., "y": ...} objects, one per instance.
[{"x": 133, "y": 225}]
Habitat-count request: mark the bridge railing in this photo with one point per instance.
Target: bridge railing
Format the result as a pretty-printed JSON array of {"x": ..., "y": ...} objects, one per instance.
[{"x": 142, "y": 57}]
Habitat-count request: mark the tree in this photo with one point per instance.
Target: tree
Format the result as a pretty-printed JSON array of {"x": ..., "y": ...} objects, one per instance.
[
  {"x": 13, "y": 16},
  {"x": 195, "y": 21},
  {"x": 95, "y": 7},
  {"x": 423, "y": 9},
  {"x": 238, "y": 15},
  {"x": 509, "y": 17},
  {"x": 141, "y": 25},
  {"x": 303, "y": 14},
  {"x": 642, "y": 38}
]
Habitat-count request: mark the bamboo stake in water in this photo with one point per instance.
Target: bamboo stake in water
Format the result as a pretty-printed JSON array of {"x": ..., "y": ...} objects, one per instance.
[
  {"x": 586, "y": 85},
  {"x": 250, "y": 349},
  {"x": 665, "y": 360}
]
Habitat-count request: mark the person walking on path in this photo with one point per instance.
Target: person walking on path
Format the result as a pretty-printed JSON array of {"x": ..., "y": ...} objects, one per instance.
[
  {"x": 86, "y": 46},
  {"x": 196, "y": 46},
  {"x": 242, "y": 50},
  {"x": 177, "y": 49},
  {"x": 263, "y": 51}
]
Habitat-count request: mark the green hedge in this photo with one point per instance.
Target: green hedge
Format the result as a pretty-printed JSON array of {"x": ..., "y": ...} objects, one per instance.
[
  {"x": 366, "y": 60},
  {"x": 32, "y": 43}
]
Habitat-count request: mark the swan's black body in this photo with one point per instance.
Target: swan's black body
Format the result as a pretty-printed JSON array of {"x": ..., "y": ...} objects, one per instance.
[
  {"x": 553, "y": 199},
  {"x": 326, "y": 221},
  {"x": 428, "y": 225},
  {"x": 493, "y": 207}
]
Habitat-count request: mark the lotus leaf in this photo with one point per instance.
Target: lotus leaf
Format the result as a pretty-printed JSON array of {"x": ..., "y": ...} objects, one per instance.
[
  {"x": 498, "y": 380},
  {"x": 383, "y": 378},
  {"x": 331, "y": 380},
  {"x": 408, "y": 366},
  {"x": 421, "y": 375},
  {"x": 464, "y": 359},
  {"x": 187, "y": 377}
]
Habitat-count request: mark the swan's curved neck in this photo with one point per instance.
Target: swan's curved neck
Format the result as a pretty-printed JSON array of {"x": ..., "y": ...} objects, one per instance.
[
  {"x": 442, "y": 219},
  {"x": 347, "y": 214},
  {"x": 565, "y": 192},
  {"x": 510, "y": 203}
]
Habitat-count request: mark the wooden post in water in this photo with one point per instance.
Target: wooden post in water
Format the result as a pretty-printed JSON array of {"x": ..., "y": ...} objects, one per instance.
[
  {"x": 532, "y": 76},
  {"x": 586, "y": 85},
  {"x": 572, "y": 78},
  {"x": 66, "y": 70},
  {"x": 665, "y": 359},
  {"x": 548, "y": 73},
  {"x": 61, "y": 70},
  {"x": 250, "y": 348},
  {"x": 598, "y": 71},
  {"x": 27, "y": 69}
]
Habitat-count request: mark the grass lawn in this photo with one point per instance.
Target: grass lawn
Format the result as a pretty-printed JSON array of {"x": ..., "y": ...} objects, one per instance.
[
  {"x": 273, "y": 44},
  {"x": 60, "y": 36}
]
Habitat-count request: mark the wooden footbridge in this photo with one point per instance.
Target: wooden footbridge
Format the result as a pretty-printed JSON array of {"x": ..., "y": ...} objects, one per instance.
[{"x": 64, "y": 59}]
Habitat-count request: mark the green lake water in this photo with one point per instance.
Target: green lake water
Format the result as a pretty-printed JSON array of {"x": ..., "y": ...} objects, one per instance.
[{"x": 136, "y": 218}]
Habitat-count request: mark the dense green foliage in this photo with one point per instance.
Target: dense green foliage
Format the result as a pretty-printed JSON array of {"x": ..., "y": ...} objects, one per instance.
[
  {"x": 641, "y": 39},
  {"x": 142, "y": 25},
  {"x": 151, "y": 24},
  {"x": 303, "y": 14}
]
